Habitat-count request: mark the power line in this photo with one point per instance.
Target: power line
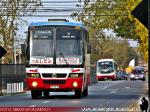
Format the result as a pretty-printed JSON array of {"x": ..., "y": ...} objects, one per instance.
[
  {"x": 64, "y": 15},
  {"x": 55, "y": 9},
  {"x": 103, "y": 7},
  {"x": 50, "y": 11},
  {"x": 61, "y": 1},
  {"x": 62, "y": 8}
]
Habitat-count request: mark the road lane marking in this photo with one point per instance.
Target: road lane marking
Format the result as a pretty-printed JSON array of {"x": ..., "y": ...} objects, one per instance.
[
  {"x": 33, "y": 106},
  {"x": 127, "y": 87},
  {"x": 75, "y": 101},
  {"x": 113, "y": 91},
  {"x": 46, "y": 102},
  {"x": 104, "y": 88}
]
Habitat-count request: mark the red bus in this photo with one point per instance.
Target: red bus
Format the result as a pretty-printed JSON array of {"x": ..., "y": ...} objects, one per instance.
[
  {"x": 106, "y": 69},
  {"x": 58, "y": 58}
]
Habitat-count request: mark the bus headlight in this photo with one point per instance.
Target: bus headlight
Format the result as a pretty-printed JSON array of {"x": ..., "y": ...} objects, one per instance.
[
  {"x": 34, "y": 84},
  {"x": 75, "y": 75},
  {"x": 33, "y": 75},
  {"x": 75, "y": 84},
  {"x": 131, "y": 75}
]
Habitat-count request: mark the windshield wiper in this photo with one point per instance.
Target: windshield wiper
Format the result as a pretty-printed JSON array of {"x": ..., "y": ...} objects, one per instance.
[{"x": 62, "y": 55}]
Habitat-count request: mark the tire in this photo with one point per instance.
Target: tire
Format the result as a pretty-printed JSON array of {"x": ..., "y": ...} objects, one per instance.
[
  {"x": 85, "y": 92},
  {"x": 78, "y": 93},
  {"x": 113, "y": 79},
  {"x": 36, "y": 94},
  {"x": 101, "y": 80},
  {"x": 46, "y": 94}
]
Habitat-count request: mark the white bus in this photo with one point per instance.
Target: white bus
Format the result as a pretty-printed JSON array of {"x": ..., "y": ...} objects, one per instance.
[
  {"x": 106, "y": 69},
  {"x": 58, "y": 58}
]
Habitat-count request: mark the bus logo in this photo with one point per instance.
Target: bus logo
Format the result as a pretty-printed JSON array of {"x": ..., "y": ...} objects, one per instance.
[{"x": 54, "y": 76}]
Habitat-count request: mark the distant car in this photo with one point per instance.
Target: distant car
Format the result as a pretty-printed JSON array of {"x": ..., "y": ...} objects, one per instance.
[
  {"x": 122, "y": 75},
  {"x": 137, "y": 74}
]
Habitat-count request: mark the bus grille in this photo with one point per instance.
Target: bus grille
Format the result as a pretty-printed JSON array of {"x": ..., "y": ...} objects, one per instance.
[
  {"x": 50, "y": 75},
  {"x": 54, "y": 81}
]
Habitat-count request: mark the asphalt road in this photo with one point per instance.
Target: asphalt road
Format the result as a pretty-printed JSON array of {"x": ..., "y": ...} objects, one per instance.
[{"x": 104, "y": 94}]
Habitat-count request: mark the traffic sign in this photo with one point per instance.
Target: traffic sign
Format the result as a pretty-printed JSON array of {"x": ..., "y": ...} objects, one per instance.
[
  {"x": 141, "y": 12},
  {"x": 2, "y": 52}
]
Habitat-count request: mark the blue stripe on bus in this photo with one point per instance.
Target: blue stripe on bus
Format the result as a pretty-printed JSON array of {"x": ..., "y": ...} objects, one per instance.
[{"x": 57, "y": 23}]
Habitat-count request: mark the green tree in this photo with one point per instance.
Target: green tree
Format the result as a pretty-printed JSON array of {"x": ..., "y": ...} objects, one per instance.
[
  {"x": 115, "y": 15},
  {"x": 130, "y": 27},
  {"x": 10, "y": 17},
  {"x": 119, "y": 50}
]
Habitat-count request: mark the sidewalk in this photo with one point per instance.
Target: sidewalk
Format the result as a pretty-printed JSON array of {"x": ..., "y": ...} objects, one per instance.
[{"x": 136, "y": 104}]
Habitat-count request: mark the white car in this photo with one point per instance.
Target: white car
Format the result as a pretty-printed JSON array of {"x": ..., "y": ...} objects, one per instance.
[{"x": 137, "y": 74}]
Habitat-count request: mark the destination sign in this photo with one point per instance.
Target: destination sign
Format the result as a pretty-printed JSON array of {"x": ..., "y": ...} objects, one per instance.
[
  {"x": 43, "y": 61},
  {"x": 43, "y": 33},
  {"x": 105, "y": 63},
  {"x": 68, "y": 34},
  {"x": 70, "y": 60}
]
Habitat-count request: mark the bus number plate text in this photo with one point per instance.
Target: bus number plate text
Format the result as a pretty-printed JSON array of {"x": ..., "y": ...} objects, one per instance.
[{"x": 54, "y": 87}]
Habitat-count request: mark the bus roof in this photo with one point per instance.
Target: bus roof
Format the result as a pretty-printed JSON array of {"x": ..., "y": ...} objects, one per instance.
[
  {"x": 58, "y": 24},
  {"x": 100, "y": 60}
]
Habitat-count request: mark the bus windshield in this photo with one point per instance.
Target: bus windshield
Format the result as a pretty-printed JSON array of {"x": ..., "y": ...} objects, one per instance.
[
  {"x": 138, "y": 71},
  {"x": 62, "y": 43},
  {"x": 105, "y": 67},
  {"x": 68, "y": 46},
  {"x": 42, "y": 42}
]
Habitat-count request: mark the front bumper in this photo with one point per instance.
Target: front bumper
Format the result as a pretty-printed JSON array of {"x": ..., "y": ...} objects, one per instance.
[
  {"x": 138, "y": 78},
  {"x": 54, "y": 84},
  {"x": 102, "y": 77}
]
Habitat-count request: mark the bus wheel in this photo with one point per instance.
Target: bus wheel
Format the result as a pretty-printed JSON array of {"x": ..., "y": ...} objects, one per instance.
[
  {"x": 114, "y": 79},
  {"x": 78, "y": 93},
  {"x": 85, "y": 92},
  {"x": 36, "y": 94},
  {"x": 46, "y": 94}
]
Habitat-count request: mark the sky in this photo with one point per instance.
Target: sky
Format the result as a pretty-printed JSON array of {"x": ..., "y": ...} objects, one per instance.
[
  {"x": 60, "y": 4},
  {"x": 54, "y": 4},
  {"x": 50, "y": 4}
]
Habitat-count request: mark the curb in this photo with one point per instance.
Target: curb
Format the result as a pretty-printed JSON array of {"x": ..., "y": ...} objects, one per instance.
[{"x": 145, "y": 94}]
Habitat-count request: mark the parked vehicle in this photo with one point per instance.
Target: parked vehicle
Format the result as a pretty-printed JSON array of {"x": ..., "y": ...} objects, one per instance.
[
  {"x": 122, "y": 75},
  {"x": 137, "y": 74}
]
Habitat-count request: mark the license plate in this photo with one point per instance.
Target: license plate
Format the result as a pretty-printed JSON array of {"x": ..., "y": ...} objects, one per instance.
[{"x": 54, "y": 87}]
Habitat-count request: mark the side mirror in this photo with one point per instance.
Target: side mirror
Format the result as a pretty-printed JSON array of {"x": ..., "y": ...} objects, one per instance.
[
  {"x": 89, "y": 49},
  {"x": 23, "y": 49}
]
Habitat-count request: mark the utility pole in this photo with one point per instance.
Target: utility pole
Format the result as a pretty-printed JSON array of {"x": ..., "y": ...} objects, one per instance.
[
  {"x": 14, "y": 43},
  {"x": 14, "y": 49}
]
